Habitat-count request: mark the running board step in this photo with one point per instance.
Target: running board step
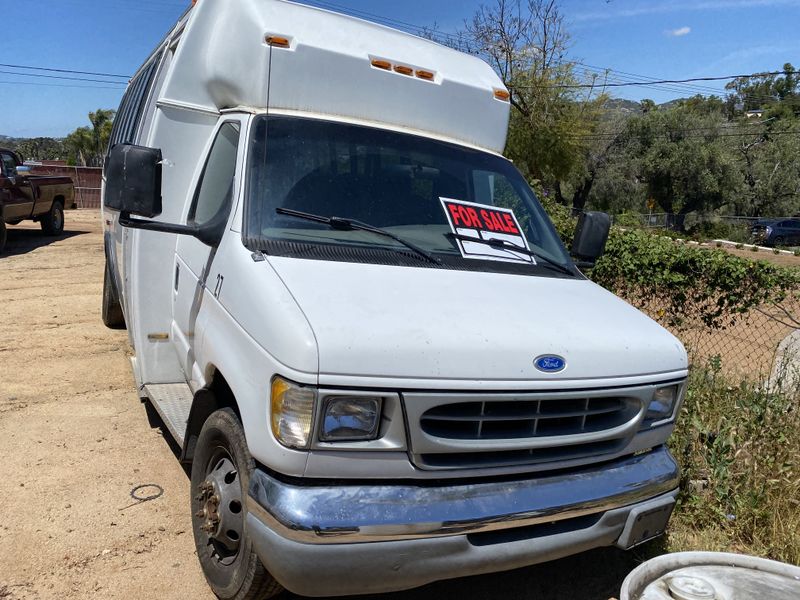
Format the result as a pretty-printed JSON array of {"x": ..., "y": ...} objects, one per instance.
[{"x": 172, "y": 402}]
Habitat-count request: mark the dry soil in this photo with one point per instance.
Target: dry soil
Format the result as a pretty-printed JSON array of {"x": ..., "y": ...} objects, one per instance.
[{"x": 75, "y": 439}]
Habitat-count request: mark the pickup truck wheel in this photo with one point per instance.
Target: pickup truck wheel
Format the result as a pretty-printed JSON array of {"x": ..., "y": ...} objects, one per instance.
[
  {"x": 113, "y": 317},
  {"x": 3, "y": 234},
  {"x": 53, "y": 221},
  {"x": 220, "y": 478}
]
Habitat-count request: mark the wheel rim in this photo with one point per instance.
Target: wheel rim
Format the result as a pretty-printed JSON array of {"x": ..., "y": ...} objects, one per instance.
[
  {"x": 221, "y": 511},
  {"x": 58, "y": 218}
]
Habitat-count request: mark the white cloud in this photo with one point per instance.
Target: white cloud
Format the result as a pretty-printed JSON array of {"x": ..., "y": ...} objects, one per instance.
[{"x": 680, "y": 32}]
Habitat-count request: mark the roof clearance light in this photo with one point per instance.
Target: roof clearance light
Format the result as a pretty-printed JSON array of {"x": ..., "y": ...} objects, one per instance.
[
  {"x": 404, "y": 70},
  {"x": 503, "y": 95},
  {"x": 382, "y": 64},
  {"x": 277, "y": 41},
  {"x": 426, "y": 75}
]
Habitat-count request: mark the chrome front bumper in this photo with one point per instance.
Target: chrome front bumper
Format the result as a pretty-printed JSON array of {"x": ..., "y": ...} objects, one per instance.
[
  {"x": 372, "y": 513},
  {"x": 418, "y": 534}
]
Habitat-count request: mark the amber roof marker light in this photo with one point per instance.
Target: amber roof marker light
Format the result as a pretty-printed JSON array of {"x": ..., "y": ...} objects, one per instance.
[
  {"x": 382, "y": 64},
  {"x": 277, "y": 41},
  {"x": 503, "y": 95}
]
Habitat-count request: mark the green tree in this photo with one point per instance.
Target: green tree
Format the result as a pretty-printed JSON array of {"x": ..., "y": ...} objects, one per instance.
[
  {"x": 770, "y": 166},
  {"x": 41, "y": 148},
  {"x": 779, "y": 95},
  {"x": 526, "y": 42},
  {"x": 685, "y": 159},
  {"x": 87, "y": 145}
]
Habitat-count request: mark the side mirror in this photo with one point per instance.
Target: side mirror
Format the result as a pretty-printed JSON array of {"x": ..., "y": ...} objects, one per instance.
[
  {"x": 133, "y": 187},
  {"x": 591, "y": 236},
  {"x": 133, "y": 180}
]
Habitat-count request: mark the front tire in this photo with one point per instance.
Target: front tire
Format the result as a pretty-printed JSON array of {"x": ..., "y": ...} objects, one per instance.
[
  {"x": 221, "y": 471},
  {"x": 53, "y": 221},
  {"x": 777, "y": 241},
  {"x": 3, "y": 235}
]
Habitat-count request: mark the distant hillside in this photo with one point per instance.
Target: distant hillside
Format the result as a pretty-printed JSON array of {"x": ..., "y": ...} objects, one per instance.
[
  {"x": 624, "y": 106},
  {"x": 7, "y": 141}
]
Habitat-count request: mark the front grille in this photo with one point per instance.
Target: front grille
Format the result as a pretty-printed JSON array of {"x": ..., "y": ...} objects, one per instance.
[
  {"x": 553, "y": 429},
  {"x": 508, "y": 458},
  {"x": 527, "y": 419}
]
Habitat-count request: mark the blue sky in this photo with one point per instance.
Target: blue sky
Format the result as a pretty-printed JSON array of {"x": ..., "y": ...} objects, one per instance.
[{"x": 654, "y": 38}]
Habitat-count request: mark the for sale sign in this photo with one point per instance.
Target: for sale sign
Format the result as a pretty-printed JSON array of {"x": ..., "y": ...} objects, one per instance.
[{"x": 483, "y": 222}]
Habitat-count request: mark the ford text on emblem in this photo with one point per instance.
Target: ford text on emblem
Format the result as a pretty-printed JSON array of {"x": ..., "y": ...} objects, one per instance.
[{"x": 550, "y": 364}]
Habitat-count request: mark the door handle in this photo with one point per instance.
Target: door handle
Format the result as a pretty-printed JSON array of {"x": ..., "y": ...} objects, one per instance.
[{"x": 177, "y": 275}]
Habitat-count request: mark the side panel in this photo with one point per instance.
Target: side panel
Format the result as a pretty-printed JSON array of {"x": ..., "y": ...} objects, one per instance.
[{"x": 182, "y": 136}]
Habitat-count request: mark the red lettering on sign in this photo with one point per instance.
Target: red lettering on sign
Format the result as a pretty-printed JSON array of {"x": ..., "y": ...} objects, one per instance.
[
  {"x": 498, "y": 224},
  {"x": 463, "y": 214},
  {"x": 487, "y": 220},
  {"x": 510, "y": 222},
  {"x": 453, "y": 208},
  {"x": 473, "y": 218}
]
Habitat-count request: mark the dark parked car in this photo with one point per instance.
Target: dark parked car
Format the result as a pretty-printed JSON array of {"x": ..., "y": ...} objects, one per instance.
[{"x": 777, "y": 233}]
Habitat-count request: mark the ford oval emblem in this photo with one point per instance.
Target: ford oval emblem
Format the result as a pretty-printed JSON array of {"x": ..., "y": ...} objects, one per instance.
[{"x": 550, "y": 364}]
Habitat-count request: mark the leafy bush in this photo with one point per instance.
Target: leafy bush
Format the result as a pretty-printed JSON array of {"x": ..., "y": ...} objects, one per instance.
[
  {"x": 690, "y": 283},
  {"x": 720, "y": 230},
  {"x": 739, "y": 448}
]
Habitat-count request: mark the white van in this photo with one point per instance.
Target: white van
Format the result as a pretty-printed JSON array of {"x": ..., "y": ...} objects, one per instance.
[{"x": 358, "y": 323}]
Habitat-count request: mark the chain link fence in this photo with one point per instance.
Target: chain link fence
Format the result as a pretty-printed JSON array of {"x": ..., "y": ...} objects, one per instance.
[{"x": 751, "y": 346}]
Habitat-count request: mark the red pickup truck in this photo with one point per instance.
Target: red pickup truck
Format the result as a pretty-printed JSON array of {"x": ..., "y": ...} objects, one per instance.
[{"x": 26, "y": 197}]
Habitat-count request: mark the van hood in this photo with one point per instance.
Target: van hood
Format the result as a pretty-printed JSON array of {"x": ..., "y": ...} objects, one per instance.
[{"x": 420, "y": 323}]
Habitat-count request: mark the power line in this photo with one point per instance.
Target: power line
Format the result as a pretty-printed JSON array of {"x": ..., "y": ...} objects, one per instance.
[
  {"x": 62, "y": 77},
  {"x": 669, "y": 81},
  {"x": 61, "y": 85},
  {"x": 53, "y": 70}
]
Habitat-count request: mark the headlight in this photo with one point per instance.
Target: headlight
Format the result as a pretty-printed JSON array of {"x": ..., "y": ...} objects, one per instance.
[
  {"x": 662, "y": 406},
  {"x": 350, "y": 419},
  {"x": 292, "y": 413}
]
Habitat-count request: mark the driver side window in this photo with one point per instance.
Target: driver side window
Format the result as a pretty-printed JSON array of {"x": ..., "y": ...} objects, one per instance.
[
  {"x": 214, "y": 194},
  {"x": 9, "y": 165}
]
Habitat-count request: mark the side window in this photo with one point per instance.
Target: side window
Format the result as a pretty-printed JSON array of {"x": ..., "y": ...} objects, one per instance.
[
  {"x": 9, "y": 165},
  {"x": 215, "y": 188},
  {"x": 131, "y": 109}
]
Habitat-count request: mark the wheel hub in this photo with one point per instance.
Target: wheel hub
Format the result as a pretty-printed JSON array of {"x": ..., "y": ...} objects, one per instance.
[{"x": 220, "y": 501}]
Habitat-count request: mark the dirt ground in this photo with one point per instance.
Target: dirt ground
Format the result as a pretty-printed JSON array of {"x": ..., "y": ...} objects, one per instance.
[
  {"x": 783, "y": 260},
  {"x": 76, "y": 440}
]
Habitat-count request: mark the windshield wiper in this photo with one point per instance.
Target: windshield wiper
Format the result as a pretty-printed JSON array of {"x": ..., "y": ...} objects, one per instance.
[
  {"x": 343, "y": 224},
  {"x": 505, "y": 245}
]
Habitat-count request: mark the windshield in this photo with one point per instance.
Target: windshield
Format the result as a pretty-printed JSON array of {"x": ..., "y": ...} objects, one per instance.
[{"x": 403, "y": 184}]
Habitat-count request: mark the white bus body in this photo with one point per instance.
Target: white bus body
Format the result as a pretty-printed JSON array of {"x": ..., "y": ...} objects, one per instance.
[{"x": 362, "y": 413}]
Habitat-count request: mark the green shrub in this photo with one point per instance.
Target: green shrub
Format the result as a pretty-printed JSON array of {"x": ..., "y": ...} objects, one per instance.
[
  {"x": 739, "y": 449},
  {"x": 690, "y": 283},
  {"x": 720, "y": 230}
]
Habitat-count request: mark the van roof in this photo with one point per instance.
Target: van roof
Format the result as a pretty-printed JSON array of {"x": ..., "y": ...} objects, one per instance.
[{"x": 334, "y": 65}]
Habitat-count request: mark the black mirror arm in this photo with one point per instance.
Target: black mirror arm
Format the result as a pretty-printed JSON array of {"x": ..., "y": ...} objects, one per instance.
[
  {"x": 207, "y": 234},
  {"x": 585, "y": 264},
  {"x": 126, "y": 220}
]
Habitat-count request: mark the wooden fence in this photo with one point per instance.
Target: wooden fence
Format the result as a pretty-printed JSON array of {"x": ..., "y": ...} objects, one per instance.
[{"x": 87, "y": 181}]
